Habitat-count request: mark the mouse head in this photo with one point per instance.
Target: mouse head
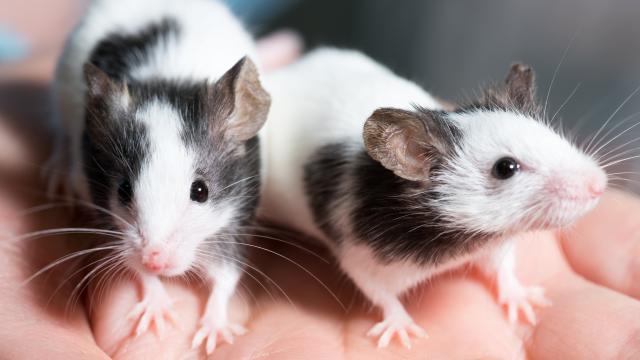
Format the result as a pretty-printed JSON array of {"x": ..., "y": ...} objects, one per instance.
[
  {"x": 491, "y": 167},
  {"x": 175, "y": 165}
]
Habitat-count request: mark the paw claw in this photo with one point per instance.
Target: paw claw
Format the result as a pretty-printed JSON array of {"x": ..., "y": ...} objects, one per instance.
[
  {"x": 523, "y": 299},
  {"x": 209, "y": 333},
  {"x": 401, "y": 327},
  {"x": 150, "y": 311}
]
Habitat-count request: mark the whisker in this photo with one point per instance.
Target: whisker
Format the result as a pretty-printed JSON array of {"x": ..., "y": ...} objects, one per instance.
[
  {"x": 555, "y": 74},
  {"x": 291, "y": 243},
  {"x": 620, "y": 161},
  {"x": 64, "y": 259},
  {"x": 40, "y": 208},
  {"x": 66, "y": 231},
  {"x": 565, "y": 102},
  {"x": 335, "y": 297},
  {"x": 239, "y": 181},
  {"x": 616, "y": 137},
  {"x": 256, "y": 279},
  {"x": 622, "y": 153},
  {"x": 79, "y": 288},
  {"x": 611, "y": 117},
  {"x": 619, "y": 147}
]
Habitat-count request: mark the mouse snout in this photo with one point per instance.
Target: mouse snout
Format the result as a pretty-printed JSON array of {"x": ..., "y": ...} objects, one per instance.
[
  {"x": 595, "y": 186},
  {"x": 155, "y": 260},
  {"x": 580, "y": 186}
]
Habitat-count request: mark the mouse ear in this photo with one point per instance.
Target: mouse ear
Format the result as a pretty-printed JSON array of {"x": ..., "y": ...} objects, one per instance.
[
  {"x": 521, "y": 87},
  {"x": 405, "y": 142},
  {"x": 246, "y": 103},
  {"x": 101, "y": 86}
]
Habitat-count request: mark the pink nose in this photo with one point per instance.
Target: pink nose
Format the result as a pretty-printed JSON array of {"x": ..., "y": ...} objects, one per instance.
[
  {"x": 153, "y": 261},
  {"x": 595, "y": 187}
]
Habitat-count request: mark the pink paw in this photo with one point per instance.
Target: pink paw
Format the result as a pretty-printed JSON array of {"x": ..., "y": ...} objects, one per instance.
[
  {"x": 400, "y": 326},
  {"x": 152, "y": 309},
  {"x": 523, "y": 298},
  {"x": 210, "y": 331}
]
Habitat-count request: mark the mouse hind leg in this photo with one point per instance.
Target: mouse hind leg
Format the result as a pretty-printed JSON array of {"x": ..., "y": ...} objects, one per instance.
[{"x": 383, "y": 284}]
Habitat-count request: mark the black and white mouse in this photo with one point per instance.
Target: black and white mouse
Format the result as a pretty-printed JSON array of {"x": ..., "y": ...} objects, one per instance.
[
  {"x": 401, "y": 190},
  {"x": 158, "y": 106}
]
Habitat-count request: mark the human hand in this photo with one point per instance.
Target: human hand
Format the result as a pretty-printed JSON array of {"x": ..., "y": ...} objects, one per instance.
[{"x": 589, "y": 272}]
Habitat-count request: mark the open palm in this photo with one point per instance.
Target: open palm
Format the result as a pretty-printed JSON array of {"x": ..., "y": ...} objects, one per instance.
[{"x": 298, "y": 305}]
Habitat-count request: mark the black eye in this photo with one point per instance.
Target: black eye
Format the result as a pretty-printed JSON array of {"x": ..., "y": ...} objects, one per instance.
[
  {"x": 505, "y": 168},
  {"x": 125, "y": 192},
  {"x": 199, "y": 191}
]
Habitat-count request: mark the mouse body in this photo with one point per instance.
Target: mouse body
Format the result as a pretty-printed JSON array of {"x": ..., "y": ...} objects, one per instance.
[
  {"x": 401, "y": 190},
  {"x": 158, "y": 106}
]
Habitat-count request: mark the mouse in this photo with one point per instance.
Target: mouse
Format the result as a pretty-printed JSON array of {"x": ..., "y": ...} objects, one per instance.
[
  {"x": 158, "y": 105},
  {"x": 400, "y": 188}
]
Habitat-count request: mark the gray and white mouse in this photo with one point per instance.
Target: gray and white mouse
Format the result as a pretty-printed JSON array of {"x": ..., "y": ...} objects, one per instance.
[
  {"x": 401, "y": 190},
  {"x": 159, "y": 105}
]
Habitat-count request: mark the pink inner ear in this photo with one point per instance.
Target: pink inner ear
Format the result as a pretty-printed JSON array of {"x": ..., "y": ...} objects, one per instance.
[{"x": 410, "y": 155}]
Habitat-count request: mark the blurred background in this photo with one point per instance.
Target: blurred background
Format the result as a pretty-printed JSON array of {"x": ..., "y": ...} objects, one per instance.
[{"x": 451, "y": 48}]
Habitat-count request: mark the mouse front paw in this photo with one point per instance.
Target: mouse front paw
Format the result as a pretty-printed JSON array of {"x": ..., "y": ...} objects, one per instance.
[
  {"x": 522, "y": 298},
  {"x": 153, "y": 310},
  {"x": 401, "y": 326},
  {"x": 211, "y": 330}
]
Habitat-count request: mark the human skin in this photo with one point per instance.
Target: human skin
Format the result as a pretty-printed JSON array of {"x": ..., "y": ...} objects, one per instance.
[{"x": 590, "y": 271}]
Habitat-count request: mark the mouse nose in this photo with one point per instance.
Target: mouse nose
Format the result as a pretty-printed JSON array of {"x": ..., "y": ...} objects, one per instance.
[
  {"x": 595, "y": 190},
  {"x": 596, "y": 186},
  {"x": 154, "y": 261}
]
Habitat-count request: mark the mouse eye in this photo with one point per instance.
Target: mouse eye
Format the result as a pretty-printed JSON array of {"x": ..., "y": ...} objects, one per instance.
[
  {"x": 199, "y": 191},
  {"x": 125, "y": 192},
  {"x": 505, "y": 168}
]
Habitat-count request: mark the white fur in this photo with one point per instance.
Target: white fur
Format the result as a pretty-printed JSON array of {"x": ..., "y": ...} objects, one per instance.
[
  {"x": 326, "y": 98},
  {"x": 551, "y": 171},
  {"x": 317, "y": 101},
  {"x": 211, "y": 40},
  {"x": 167, "y": 219}
]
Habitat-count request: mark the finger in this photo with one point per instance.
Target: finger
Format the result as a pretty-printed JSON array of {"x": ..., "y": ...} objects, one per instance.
[
  {"x": 604, "y": 247},
  {"x": 586, "y": 321},
  {"x": 590, "y": 322}
]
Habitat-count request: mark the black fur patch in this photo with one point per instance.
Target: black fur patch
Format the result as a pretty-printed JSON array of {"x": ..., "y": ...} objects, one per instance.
[
  {"x": 397, "y": 218},
  {"x": 324, "y": 177},
  {"x": 114, "y": 148},
  {"x": 392, "y": 215},
  {"x": 118, "y": 53}
]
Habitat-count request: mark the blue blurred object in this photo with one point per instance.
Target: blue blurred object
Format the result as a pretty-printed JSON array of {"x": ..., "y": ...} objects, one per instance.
[
  {"x": 12, "y": 45},
  {"x": 258, "y": 12}
]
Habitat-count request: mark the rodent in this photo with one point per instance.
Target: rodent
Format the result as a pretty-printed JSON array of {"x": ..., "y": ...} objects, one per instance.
[
  {"x": 401, "y": 190},
  {"x": 158, "y": 105}
]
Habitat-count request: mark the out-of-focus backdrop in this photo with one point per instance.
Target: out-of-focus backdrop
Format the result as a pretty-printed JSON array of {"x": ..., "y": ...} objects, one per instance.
[{"x": 451, "y": 48}]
